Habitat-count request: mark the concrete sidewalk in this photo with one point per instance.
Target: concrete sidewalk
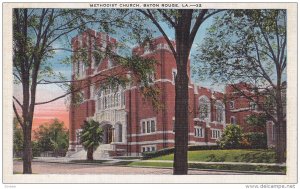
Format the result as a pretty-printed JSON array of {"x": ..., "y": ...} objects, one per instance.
[
  {"x": 109, "y": 162},
  {"x": 73, "y": 160},
  {"x": 112, "y": 161}
]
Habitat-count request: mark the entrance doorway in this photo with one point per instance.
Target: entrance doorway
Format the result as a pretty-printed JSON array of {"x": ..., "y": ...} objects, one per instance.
[{"x": 107, "y": 134}]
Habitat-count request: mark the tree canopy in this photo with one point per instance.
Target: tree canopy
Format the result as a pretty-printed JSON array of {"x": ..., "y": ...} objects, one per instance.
[
  {"x": 250, "y": 46},
  {"x": 36, "y": 35},
  {"x": 91, "y": 137},
  {"x": 52, "y": 136}
]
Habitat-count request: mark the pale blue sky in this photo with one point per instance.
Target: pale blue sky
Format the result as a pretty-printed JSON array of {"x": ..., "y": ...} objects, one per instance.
[{"x": 65, "y": 69}]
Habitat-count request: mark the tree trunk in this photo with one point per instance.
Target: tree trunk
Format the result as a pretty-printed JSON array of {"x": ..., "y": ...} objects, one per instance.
[
  {"x": 181, "y": 124},
  {"x": 27, "y": 150},
  {"x": 181, "y": 94},
  {"x": 280, "y": 143},
  {"x": 280, "y": 129},
  {"x": 90, "y": 153}
]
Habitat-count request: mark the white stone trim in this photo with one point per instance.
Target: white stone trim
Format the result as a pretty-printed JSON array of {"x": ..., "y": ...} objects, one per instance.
[
  {"x": 196, "y": 89},
  {"x": 163, "y": 80},
  {"x": 198, "y": 143},
  {"x": 151, "y": 142},
  {"x": 154, "y": 133},
  {"x": 116, "y": 143},
  {"x": 211, "y": 143},
  {"x": 197, "y": 119},
  {"x": 202, "y": 143},
  {"x": 240, "y": 109}
]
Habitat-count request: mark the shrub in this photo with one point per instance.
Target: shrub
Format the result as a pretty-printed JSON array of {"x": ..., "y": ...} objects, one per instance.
[
  {"x": 231, "y": 138},
  {"x": 36, "y": 150},
  {"x": 257, "y": 140},
  {"x": 91, "y": 137},
  {"x": 167, "y": 151}
]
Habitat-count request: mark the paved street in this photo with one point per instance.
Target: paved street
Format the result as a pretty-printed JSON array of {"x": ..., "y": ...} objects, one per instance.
[{"x": 63, "y": 168}]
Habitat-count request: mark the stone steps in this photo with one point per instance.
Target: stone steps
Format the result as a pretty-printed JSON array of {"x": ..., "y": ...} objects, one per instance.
[{"x": 100, "y": 153}]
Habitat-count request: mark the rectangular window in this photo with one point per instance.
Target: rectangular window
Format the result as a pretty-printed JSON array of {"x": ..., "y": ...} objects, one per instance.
[
  {"x": 152, "y": 126},
  {"x": 143, "y": 127},
  {"x": 199, "y": 132},
  {"x": 148, "y": 125},
  {"x": 231, "y": 105},
  {"x": 148, "y": 148},
  {"x": 215, "y": 133}
]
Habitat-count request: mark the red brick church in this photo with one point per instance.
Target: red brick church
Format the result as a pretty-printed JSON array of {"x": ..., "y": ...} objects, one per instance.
[{"x": 131, "y": 125}]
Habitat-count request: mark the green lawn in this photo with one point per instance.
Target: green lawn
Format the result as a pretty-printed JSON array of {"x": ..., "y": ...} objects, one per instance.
[
  {"x": 239, "y": 155},
  {"x": 256, "y": 168},
  {"x": 151, "y": 164}
]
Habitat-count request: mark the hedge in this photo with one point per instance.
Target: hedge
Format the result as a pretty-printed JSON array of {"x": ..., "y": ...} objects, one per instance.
[{"x": 167, "y": 151}]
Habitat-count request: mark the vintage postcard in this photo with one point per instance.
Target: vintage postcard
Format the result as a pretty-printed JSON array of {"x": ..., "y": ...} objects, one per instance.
[{"x": 150, "y": 93}]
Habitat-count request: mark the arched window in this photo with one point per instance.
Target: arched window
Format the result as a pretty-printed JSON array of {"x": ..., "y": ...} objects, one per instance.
[
  {"x": 233, "y": 120},
  {"x": 204, "y": 108},
  {"x": 220, "y": 112},
  {"x": 108, "y": 98}
]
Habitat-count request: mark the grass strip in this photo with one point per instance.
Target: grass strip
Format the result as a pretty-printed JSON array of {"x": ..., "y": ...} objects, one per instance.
[
  {"x": 258, "y": 168},
  {"x": 236, "y": 155}
]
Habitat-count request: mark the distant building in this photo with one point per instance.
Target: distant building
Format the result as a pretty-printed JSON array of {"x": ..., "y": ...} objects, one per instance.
[{"x": 131, "y": 125}]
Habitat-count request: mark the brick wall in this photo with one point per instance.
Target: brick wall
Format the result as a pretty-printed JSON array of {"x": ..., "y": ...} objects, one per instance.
[{"x": 139, "y": 108}]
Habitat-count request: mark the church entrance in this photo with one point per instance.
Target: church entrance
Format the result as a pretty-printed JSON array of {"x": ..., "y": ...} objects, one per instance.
[{"x": 107, "y": 134}]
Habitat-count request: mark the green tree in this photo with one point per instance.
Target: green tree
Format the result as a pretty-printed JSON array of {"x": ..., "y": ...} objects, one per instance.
[
  {"x": 36, "y": 149},
  {"x": 250, "y": 46},
  {"x": 17, "y": 138},
  {"x": 52, "y": 137},
  {"x": 231, "y": 137},
  {"x": 257, "y": 120},
  {"x": 256, "y": 140},
  {"x": 91, "y": 137},
  {"x": 36, "y": 33}
]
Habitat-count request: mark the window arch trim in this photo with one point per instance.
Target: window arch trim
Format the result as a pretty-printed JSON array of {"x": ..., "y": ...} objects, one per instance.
[{"x": 204, "y": 108}]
